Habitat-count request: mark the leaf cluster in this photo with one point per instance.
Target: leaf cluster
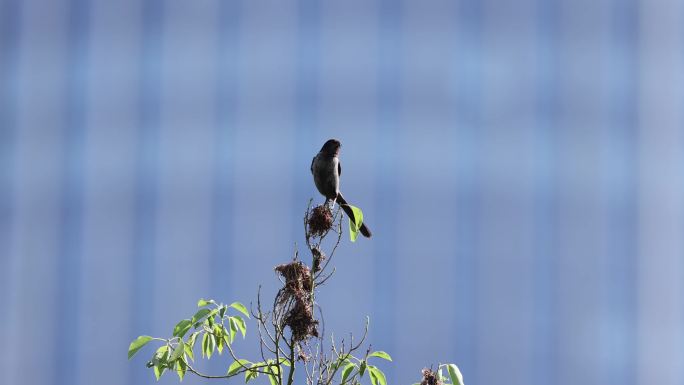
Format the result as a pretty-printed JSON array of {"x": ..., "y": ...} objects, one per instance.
[
  {"x": 354, "y": 369},
  {"x": 215, "y": 327}
]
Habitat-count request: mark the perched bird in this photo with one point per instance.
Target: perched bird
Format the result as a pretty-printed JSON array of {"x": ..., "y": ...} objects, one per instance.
[{"x": 326, "y": 171}]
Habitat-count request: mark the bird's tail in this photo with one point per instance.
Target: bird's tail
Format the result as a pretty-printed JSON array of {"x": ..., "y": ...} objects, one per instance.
[{"x": 347, "y": 210}]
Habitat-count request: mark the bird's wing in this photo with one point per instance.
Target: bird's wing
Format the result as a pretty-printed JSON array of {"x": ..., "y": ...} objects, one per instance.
[{"x": 339, "y": 168}]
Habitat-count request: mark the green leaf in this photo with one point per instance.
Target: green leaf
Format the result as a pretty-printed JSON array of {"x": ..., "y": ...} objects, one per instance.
[
  {"x": 158, "y": 371},
  {"x": 362, "y": 369},
  {"x": 205, "y": 344},
  {"x": 240, "y": 323},
  {"x": 211, "y": 345},
  {"x": 358, "y": 220},
  {"x": 177, "y": 351},
  {"x": 272, "y": 370},
  {"x": 275, "y": 368},
  {"x": 218, "y": 337},
  {"x": 273, "y": 379},
  {"x": 181, "y": 368},
  {"x": 377, "y": 376},
  {"x": 159, "y": 361},
  {"x": 240, "y": 307},
  {"x": 181, "y": 328},
  {"x": 347, "y": 371},
  {"x": 339, "y": 363},
  {"x": 455, "y": 374},
  {"x": 201, "y": 313},
  {"x": 381, "y": 354},
  {"x": 233, "y": 329},
  {"x": 160, "y": 356},
  {"x": 188, "y": 350},
  {"x": 222, "y": 311},
  {"x": 236, "y": 366},
  {"x": 204, "y": 302},
  {"x": 210, "y": 316},
  {"x": 137, "y": 345},
  {"x": 373, "y": 378},
  {"x": 191, "y": 340},
  {"x": 252, "y": 374}
]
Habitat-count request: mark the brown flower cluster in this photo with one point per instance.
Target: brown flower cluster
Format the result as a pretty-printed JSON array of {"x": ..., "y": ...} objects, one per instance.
[
  {"x": 295, "y": 300},
  {"x": 318, "y": 258},
  {"x": 430, "y": 378},
  {"x": 320, "y": 220}
]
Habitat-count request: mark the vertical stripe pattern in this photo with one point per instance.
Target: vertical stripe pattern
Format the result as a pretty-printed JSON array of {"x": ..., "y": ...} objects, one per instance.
[
  {"x": 10, "y": 17},
  {"x": 388, "y": 196},
  {"x": 71, "y": 222},
  {"x": 520, "y": 166},
  {"x": 146, "y": 176},
  {"x": 545, "y": 238},
  {"x": 467, "y": 116}
]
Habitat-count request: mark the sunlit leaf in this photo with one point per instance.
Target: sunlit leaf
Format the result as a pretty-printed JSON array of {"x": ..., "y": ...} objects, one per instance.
[
  {"x": 201, "y": 313},
  {"x": 347, "y": 371},
  {"x": 204, "y": 302},
  {"x": 205, "y": 344},
  {"x": 181, "y": 368},
  {"x": 240, "y": 323},
  {"x": 181, "y": 328},
  {"x": 191, "y": 340},
  {"x": 274, "y": 367},
  {"x": 218, "y": 334},
  {"x": 455, "y": 374},
  {"x": 240, "y": 307},
  {"x": 356, "y": 225},
  {"x": 177, "y": 351},
  {"x": 209, "y": 321},
  {"x": 237, "y": 365},
  {"x": 377, "y": 376},
  {"x": 272, "y": 379},
  {"x": 373, "y": 377},
  {"x": 233, "y": 328},
  {"x": 158, "y": 371},
  {"x": 137, "y": 345},
  {"x": 381, "y": 354},
  {"x": 188, "y": 350},
  {"x": 159, "y": 361},
  {"x": 211, "y": 345},
  {"x": 252, "y": 374},
  {"x": 160, "y": 356}
]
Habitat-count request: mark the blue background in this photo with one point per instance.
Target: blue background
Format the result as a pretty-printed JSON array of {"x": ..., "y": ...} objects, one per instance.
[{"x": 520, "y": 163}]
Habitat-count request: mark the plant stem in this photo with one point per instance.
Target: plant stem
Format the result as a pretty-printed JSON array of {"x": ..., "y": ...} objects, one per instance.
[{"x": 290, "y": 376}]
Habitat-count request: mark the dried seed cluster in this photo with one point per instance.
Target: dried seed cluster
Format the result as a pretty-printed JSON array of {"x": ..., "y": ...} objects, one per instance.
[
  {"x": 295, "y": 300},
  {"x": 320, "y": 220},
  {"x": 318, "y": 258},
  {"x": 430, "y": 378}
]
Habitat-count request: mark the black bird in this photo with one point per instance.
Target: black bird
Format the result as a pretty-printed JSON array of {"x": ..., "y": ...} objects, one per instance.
[{"x": 326, "y": 171}]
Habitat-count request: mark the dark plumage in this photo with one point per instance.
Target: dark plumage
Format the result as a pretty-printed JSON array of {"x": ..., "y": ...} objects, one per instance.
[{"x": 326, "y": 171}]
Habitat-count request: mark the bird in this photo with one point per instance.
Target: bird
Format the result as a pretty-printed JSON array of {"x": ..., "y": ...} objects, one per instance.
[{"x": 326, "y": 171}]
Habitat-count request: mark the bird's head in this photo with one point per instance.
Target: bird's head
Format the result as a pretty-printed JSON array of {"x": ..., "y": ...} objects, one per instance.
[{"x": 331, "y": 147}]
